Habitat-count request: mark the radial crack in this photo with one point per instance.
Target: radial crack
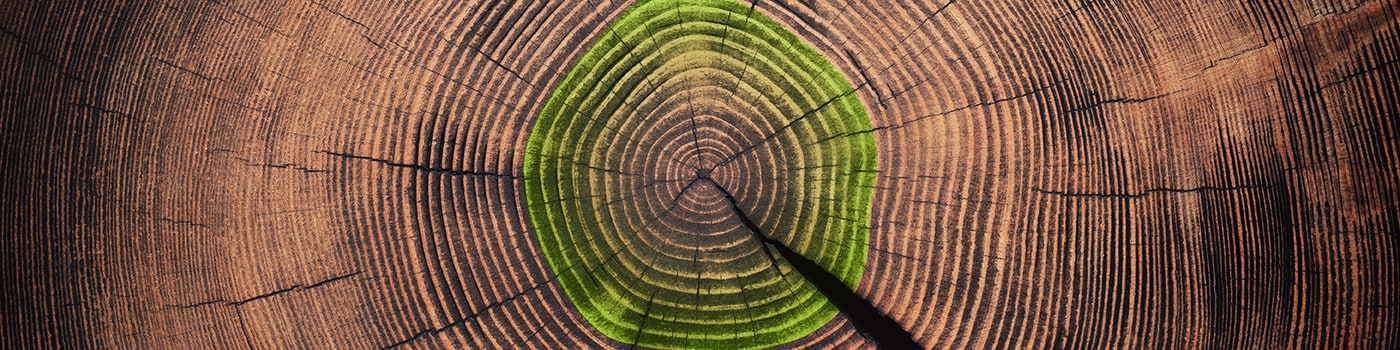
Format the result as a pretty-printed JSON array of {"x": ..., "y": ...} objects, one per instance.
[
  {"x": 869, "y": 321},
  {"x": 787, "y": 126},
  {"x": 295, "y": 287},
  {"x": 417, "y": 167}
]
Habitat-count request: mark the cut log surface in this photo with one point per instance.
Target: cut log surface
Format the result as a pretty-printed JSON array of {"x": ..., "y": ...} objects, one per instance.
[{"x": 328, "y": 174}]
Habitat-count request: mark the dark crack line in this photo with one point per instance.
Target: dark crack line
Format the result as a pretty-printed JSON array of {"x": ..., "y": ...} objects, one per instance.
[
  {"x": 186, "y": 70},
  {"x": 295, "y": 287},
  {"x": 594, "y": 278},
  {"x": 632, "y": 51},
  {"x": 474, "y": 315},
  {"x": 678, "y": 196},
  {"x": 695, "y": 266},
  {"x": 866, "y": 77},
  {"x": 102, "y": 110},
  {"x": 499, "y": 303},
  {"x": 868, "y": 320},
  {"x": 516, "y": 74},
  {"x": 810, "y": 167},
  {"x": 642, "y": 324},
  {"x": 494, "y": 98},
  {"x": 416, "y": 167},
  {"x": 646, "y": 315},
  {"x": 847, "y": 134},
  {"x": 921, "y": 25},
  {"x": 747, "y": 58},
  {"x": 488, "y": 58},
  {"x": 787, "y": 126},
  {"x": 251, "y": 19},
  {"x": 288, "y": 166},
  {"x": 1121, "y": 100},
  {"x": 243, "y": 325},
  {"x": 613, "y": 93},
  {"x": 903, "y": 57},
  {"x": 748, "y": 303},
  {"x": 975, "y": 105},
  {"x": 1352, "y": 75},
  {"x": 1215, "y": 62},
  {"x": 341, "y": 15},
  {"x": 694, "y": 130}
]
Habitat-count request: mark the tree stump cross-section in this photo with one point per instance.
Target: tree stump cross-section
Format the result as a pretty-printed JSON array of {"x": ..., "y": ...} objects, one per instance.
[{"x": 699, "y": 173}]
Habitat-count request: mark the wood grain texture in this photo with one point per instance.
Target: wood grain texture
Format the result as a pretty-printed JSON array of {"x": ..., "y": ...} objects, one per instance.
[{"x": 306, "y": 174}]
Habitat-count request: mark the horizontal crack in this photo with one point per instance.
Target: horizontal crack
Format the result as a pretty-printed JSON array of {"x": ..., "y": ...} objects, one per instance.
[
  {"x": 417, "y": 167},
  {"x": 1121, "y": 100},
  {"x": 295, "y": 287}
]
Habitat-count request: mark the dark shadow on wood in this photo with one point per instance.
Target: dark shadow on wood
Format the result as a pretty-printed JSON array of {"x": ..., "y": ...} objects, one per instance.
[{"x": 869, "y": 321}]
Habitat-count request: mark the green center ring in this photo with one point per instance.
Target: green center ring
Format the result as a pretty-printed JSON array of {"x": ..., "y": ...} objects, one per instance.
[{"x": 677, "y": 104}]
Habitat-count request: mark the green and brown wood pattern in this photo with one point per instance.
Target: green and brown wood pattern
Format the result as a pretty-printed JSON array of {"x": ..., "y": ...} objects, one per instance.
[
  {"x": 699, "y": 174},
  {"x": 682, "y": 125}
]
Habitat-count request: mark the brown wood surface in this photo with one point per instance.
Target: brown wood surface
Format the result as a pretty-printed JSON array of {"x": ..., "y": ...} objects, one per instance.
[{"x": 307, "y": 174}]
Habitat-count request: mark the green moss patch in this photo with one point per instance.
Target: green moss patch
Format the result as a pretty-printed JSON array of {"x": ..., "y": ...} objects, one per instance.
[{"x": 676, "y": 91}]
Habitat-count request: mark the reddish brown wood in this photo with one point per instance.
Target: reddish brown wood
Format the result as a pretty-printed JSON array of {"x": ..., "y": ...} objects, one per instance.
[{"x": 282, "y": 174}]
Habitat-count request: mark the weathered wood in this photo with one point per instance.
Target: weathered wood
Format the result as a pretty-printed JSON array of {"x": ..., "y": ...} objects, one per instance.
[{"x": 223, "y": 174}]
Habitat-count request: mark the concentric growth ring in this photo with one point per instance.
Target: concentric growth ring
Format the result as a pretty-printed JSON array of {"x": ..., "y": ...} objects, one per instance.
[{"x": 681, "y": 122}]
